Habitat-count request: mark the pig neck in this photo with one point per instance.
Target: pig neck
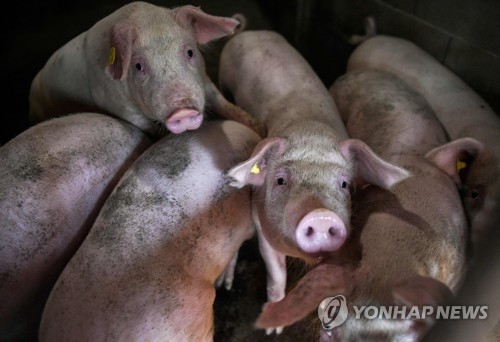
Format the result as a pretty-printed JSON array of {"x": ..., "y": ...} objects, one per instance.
[
  {"x": 285, "y": 117},
  {"x": 398, "y": 134}
]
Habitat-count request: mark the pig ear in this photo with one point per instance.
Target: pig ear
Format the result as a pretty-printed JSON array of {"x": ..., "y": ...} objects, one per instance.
[
  {"x": 123, "y": 36},
  {"x": 321, "y": 282},
  {"x": 454, "y": 156},
  {"x": 253, "y": 171},
  {"x": 422, "y": 291},
  {"x": 370, "y": 167},
  {"x": 206, "y": 27}
]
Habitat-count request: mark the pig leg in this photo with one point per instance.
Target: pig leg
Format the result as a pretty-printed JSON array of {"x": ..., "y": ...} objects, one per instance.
[
  {"x": 276, "y": 273},
  {"x": 230, "y": 111},
  {"x": 228, "y": 276},
  {"x": 323, "y": 281}
]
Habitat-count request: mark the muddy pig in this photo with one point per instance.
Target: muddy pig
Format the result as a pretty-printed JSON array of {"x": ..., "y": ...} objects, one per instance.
[
  {"x": 303, "y": 172},
  {"x": 140, "y": 63},
  {"x": 408, "y": 244},
  {"x": 147, "y": 269},
  {"x": 460, "y": 109},
  {"x": 55, "y": 177}
]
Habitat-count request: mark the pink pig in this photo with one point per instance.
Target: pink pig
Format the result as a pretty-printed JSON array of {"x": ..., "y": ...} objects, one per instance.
[
  {"x": 142, "y": 64},
  {"x": 168, "y": 233},
  {"x": 55, "y": 177},
  {"x": 302, "y": 174}
]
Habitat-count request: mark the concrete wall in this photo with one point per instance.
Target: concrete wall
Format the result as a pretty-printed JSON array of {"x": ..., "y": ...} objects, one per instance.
[{"x": 463, "y": 35}]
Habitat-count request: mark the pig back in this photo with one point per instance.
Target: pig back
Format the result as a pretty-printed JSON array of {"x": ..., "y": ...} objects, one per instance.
[
  {"x": 272, "y": 81},
  {"x": 381, "y": 109},
  {"x": 55, "y": 177},
  {"x": 419, "y": 227},
  {"x": 462, "y": 112},
  {"x": 168, "y": 230}
]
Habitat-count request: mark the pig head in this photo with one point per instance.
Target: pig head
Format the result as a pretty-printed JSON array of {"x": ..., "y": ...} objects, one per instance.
[
  {"x": 140, "y": 63},
  {"x": 302, "y": 190}
]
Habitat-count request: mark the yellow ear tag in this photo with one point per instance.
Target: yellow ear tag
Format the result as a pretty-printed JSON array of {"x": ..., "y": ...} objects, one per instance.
[
  {"x": 255, "y": 169},
  {"x": 112, "y": 55},
  {"x": 460, "y": 165}
]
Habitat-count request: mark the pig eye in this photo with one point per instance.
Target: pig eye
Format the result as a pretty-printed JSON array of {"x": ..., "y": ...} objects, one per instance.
[
  {"x": 281, "y": 177},
  {"x": 344, "y": 185},
  {"x": 473, "y": 195},
  {"x": 190, "y": 53},
  {"x": 139, "y": 66}
]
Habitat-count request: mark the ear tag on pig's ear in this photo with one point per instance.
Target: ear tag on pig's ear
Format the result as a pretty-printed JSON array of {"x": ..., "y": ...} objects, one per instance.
[
  {"x": 255, "y": 169},
  {"x": 112, "y": 55},
  {"x": 460, "y": 165}
]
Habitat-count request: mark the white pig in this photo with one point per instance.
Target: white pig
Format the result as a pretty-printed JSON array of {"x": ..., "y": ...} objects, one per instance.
[
  {"x": 55, "y": 176},
  {"x": 408, "y": 246},
  {"x": 147, "y": 269},
  {"x": 460, "y": 109},
  {"x": 140, "y": 63},
  {"x": 304, "y": 171}
]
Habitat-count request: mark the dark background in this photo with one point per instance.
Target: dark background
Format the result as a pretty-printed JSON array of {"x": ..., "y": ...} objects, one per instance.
[{"x": 464, "y": 35}]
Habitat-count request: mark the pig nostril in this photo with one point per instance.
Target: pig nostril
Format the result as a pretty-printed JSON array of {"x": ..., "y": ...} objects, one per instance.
[
  {"x": 310, "y": 231},
  {"x": 331, "y": 231}
]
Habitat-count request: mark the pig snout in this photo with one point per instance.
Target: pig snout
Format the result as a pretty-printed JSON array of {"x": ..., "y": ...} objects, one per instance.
[
  {"x": 184, "y": 119},
  {"x": 320, "y": 230}
]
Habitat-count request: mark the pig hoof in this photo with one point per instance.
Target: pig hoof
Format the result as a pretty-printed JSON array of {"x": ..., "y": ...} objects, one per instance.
[{"x": 278, "y": 330}]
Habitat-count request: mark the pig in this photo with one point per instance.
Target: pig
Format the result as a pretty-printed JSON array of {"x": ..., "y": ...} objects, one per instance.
[
  {"x": 408, "y": 244},
  {"x": 303, "y": 171},
  {"x": 165, "y": 236},
  {"x": 55, "y": 178},
  {"x": 479, "y": 288},
  {"x": 460, "y": 109},
  {"x": 142, "y": 64}
]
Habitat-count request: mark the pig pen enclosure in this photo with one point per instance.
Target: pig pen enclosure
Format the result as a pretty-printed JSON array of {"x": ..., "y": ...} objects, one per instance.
[{"x": 464, "y": 36}]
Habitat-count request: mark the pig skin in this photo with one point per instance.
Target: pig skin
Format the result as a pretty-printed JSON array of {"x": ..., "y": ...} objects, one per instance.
[
  {"x": 147, "y": 269},
  {"x": 55, "y": 177}
]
